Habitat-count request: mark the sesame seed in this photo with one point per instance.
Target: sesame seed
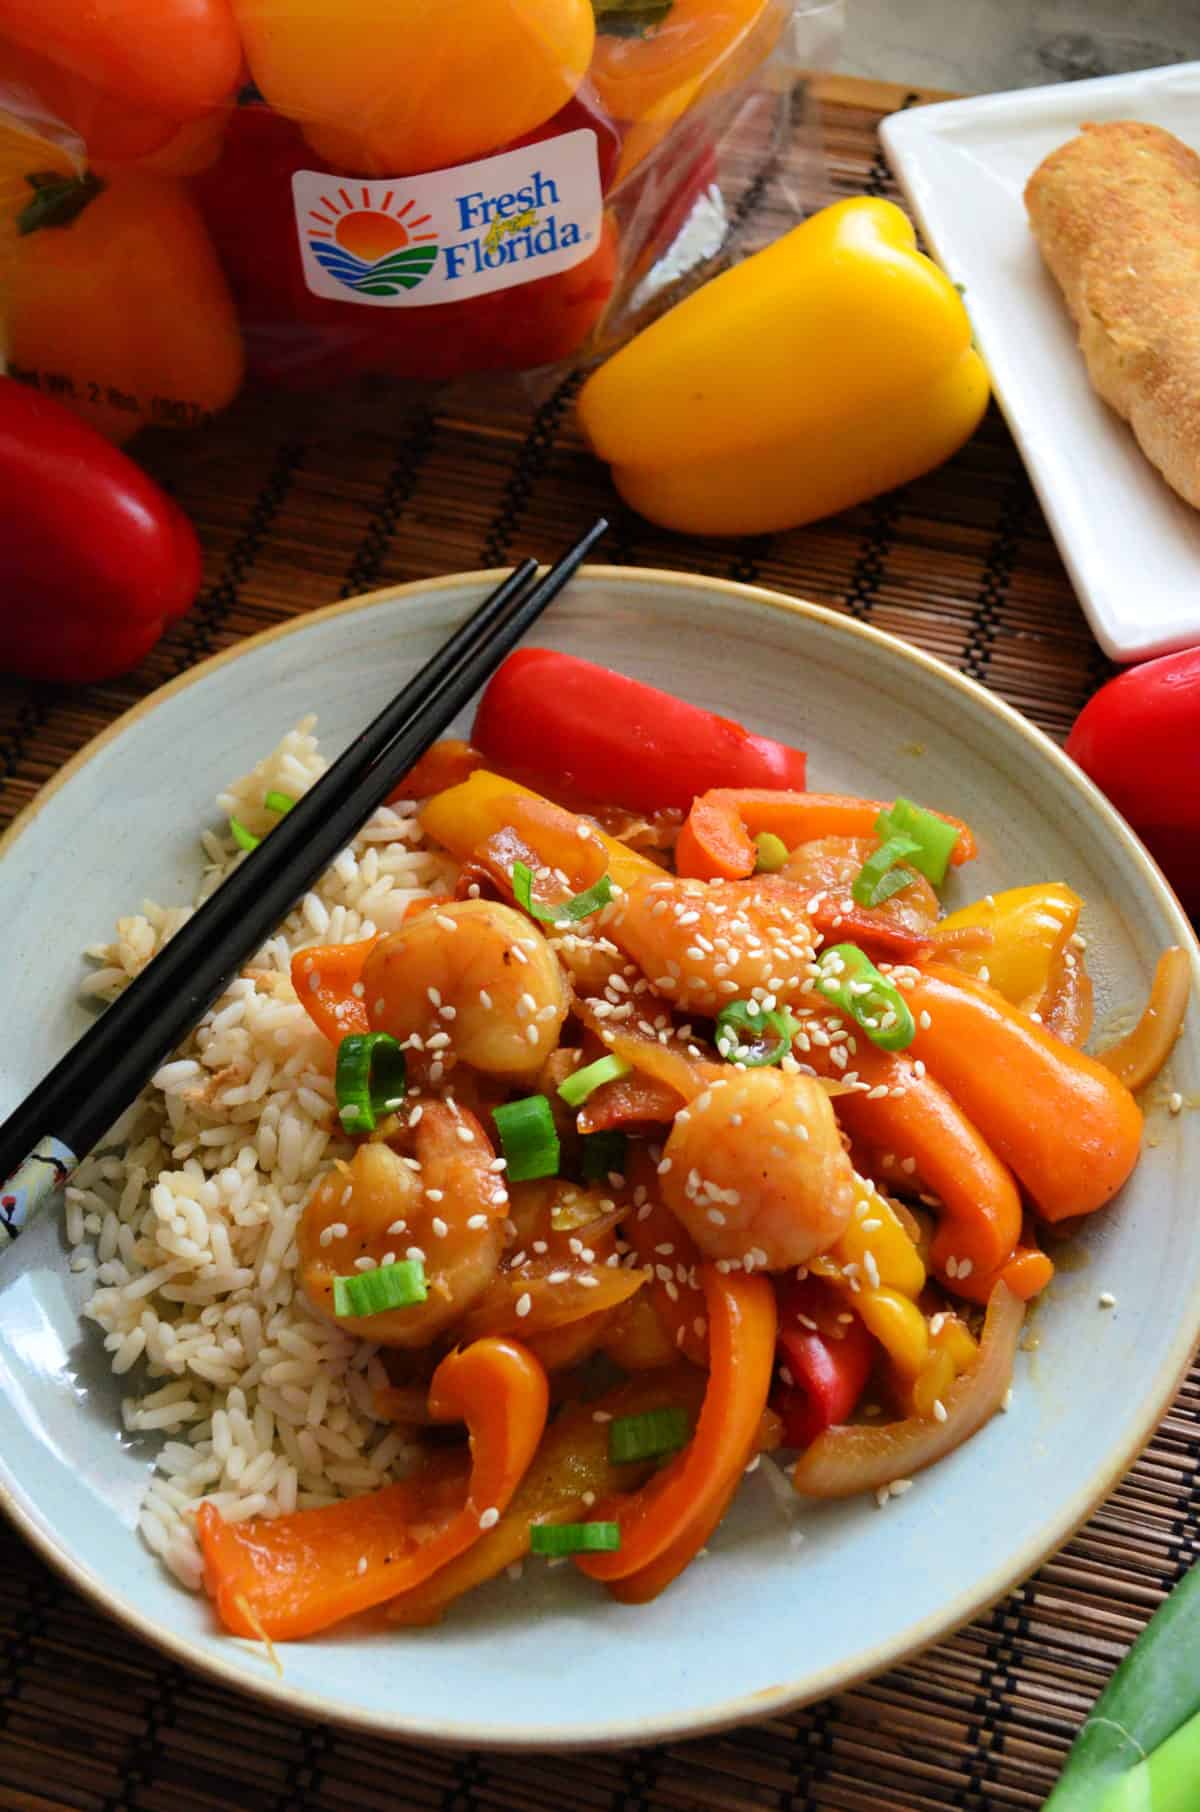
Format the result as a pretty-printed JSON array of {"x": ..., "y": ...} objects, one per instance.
[
  {"x": 438, "y": 1041},
  {"x": 465, "y": 1134},
  {"x": 716, "y": 1217},
  {"x": 435, "y": 1195},
  {"x": 485, "y": 999},
  {"x": 951, "y": 1267},
  {"x": 601, "y": 1415},
  {"x": 965, "y": 1267},
  {"x": 524, "y": 1304},
  {"x": 446, "y": 922},
  {"x": 433, "y": 995},
  {"x": 519, "y": 954},
  {"x": 398, "y": 1227},
  {"x": 416, "y": 1255},
  {"x": 365, "y": 1264},
  {"x": 923, "y": 1019},
  {"x": 531, "y": 1034},
  {"x": 1107, "y": 1300},
  {"x": 362, "y": 1564},
  {"x": 358, "y": 991},
  {"x": 1174, "y": 1102},
  {"x": 940, "y": 1412},
  {"x": 900, "y": 1486},
  {"x": 557, "y": 1277},
  {"x": 477, "y": 1221},
  {"x": 489, "y": 1518},
  {"x": 439, "y": 1227}
]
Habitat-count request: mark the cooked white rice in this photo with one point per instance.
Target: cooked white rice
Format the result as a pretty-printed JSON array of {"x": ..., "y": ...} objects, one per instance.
[{"x": 189, "y": 1224}]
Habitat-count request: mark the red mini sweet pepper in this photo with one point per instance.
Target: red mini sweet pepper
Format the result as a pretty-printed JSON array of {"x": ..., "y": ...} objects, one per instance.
[
  {"x": 590, "y": 736},
  {"x": 95, "y": 560}
]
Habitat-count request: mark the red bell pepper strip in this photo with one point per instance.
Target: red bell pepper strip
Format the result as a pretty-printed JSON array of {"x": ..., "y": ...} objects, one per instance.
[
  {"x": 593, "y": 737},
  {"x": 675, "y": 1511},
  {"x": 325, "y": 977},
  {"x": 95, "y": 560},
  {"x": 176, "y": 57},
  {"x": 448, "y": 763},
  {"x": 828, "y": 1360},
  {"x": 290, "y": 1576},
  {"x": 717, "y": 839}
]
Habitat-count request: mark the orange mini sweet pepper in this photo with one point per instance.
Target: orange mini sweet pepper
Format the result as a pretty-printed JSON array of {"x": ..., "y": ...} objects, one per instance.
[{"x": 827, "y": 368}]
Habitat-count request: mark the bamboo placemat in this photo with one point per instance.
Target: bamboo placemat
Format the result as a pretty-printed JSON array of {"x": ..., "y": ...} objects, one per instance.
[{"x": 961, "y": 564}]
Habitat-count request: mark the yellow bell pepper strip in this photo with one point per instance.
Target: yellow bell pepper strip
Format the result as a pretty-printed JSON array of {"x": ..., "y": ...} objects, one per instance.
[
  {"x": 1137, "y": 1058},
  {"x": 888, "y": 1308},
  {"x": 918, "y": 1119},
  {"x": 294, "y": 1575},
  {"x": 325, "y": 977},
  {"x": 953, "y": 1350},
  {"x": 464, "y": 816},
  {"x": 846, "y": 1460},
  {"x": 833, "y": 365},
  {"x": 421, "y": 83},
  {"x": 570, "y": 1470},
  {"x": 116, "y": 304},
  {"x": 675, "y": 1509},
  {"x": 1063, "y": 1122},
  {"x": 717, "y": 839},
  {"x": 1028, "y": 927}
]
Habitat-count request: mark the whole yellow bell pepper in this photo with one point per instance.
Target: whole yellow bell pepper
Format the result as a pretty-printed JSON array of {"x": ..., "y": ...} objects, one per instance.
[
  {"x": 1029, "y": 928},
  {"x": 829, "y": 367}
]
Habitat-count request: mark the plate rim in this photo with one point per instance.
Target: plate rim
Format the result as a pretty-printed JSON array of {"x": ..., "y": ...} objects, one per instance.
[
  {"x": 911, "y": 133},
  {"x": 765, "y": 1702}
]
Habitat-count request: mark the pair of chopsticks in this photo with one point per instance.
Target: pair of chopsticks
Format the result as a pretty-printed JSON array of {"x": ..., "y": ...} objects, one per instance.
[{"x": 92, "y": 1085}]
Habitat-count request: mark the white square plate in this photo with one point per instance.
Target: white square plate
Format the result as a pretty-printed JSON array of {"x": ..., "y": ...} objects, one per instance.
[{"x": 1131, "y": 546}]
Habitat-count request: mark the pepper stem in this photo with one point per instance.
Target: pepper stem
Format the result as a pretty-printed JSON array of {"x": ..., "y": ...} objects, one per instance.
[{"x": 57, "y": 199}]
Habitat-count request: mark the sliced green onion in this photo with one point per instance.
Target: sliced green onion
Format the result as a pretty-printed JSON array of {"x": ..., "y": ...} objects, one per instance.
[
  {"x": 556, "y": 1539},
  {"x": 572, "y": 910},
  {"x": 603, "y": 1156},
  {"x": 933, "y": 837},
  {"x": 644, "y": 1437},
  {"x": 773, "y": 852},
  {"x": 279, "y": 802},
  {"x": 748, "y": 1034},
  {"x": 879, "y": 878},
  {"x": 577, "y": 1087},
  {"x": 245, "y": 838},
  {"x": 395, "y": 1286},
  {"x": 369, "y": 1079},
  {"x": 851, "y": 981},
  {"x": 528, "y": 1138}
]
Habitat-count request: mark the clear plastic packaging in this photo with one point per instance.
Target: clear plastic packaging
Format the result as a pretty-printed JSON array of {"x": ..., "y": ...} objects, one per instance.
[{"x": 423, "y": 191}]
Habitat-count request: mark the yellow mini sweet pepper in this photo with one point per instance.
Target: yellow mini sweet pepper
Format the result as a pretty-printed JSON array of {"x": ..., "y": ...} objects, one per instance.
[{"x": 827, "y": 368}]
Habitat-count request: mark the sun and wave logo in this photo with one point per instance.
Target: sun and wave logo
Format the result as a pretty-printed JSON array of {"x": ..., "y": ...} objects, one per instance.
[{"x": 373, "y": 248}]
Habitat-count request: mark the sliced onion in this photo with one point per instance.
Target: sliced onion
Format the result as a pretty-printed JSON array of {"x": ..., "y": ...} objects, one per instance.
[
  {"x": 850, "y": 1459},
  {"x": 1138, "y": 1057}
]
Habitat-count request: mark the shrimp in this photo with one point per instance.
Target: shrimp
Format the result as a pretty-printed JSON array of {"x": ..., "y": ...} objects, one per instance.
[
  {"x": 473, "y": 982},
  {"x": 445, "y": 1205},
  {"x": 755, "y": 1170},
  {"x": 702, "y": 944}
]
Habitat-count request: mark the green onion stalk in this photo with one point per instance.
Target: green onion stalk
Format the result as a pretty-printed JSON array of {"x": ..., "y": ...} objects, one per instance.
[{"x": 1139, "y": 1750}]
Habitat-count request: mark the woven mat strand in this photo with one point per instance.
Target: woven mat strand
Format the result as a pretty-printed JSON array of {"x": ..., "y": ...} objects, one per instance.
[{"x": 959, "y": 563}]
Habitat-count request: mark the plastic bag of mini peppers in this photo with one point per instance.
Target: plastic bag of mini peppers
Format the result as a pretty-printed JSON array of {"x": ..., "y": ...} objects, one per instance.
[{"x": 307, "y": 192}]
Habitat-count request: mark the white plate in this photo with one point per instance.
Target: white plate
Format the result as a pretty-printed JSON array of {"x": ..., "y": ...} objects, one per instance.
[
  {"x": 760, "y": 1624},
  {"x": 1131, "y": 546}
]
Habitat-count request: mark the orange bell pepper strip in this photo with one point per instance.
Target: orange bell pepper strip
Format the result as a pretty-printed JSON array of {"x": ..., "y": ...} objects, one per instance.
[
  {"x": 1068, "y": 1128},
  {"x": 919, "y": 1119},
  {"x": 294, "y": 1575},
  {"x": 325, "y": 977},
  {"x": 570, "y": 1470},
  {"x": 447, "y": 763},
  {"x": 1026, "y": 1274},
  {"x": 676, "y": 1510},
  {"x": 717, "y": 839}
]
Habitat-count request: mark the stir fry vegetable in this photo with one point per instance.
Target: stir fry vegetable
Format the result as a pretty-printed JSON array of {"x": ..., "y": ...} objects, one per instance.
[{"x": 750, "y": 1118}]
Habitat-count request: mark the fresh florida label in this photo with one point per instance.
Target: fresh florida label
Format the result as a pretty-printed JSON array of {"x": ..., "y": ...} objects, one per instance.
[{"x": 409, "y": 242}]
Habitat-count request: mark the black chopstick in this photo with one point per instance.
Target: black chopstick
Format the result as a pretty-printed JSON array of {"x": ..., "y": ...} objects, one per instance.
[{"x": 88, "y": 1089}]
